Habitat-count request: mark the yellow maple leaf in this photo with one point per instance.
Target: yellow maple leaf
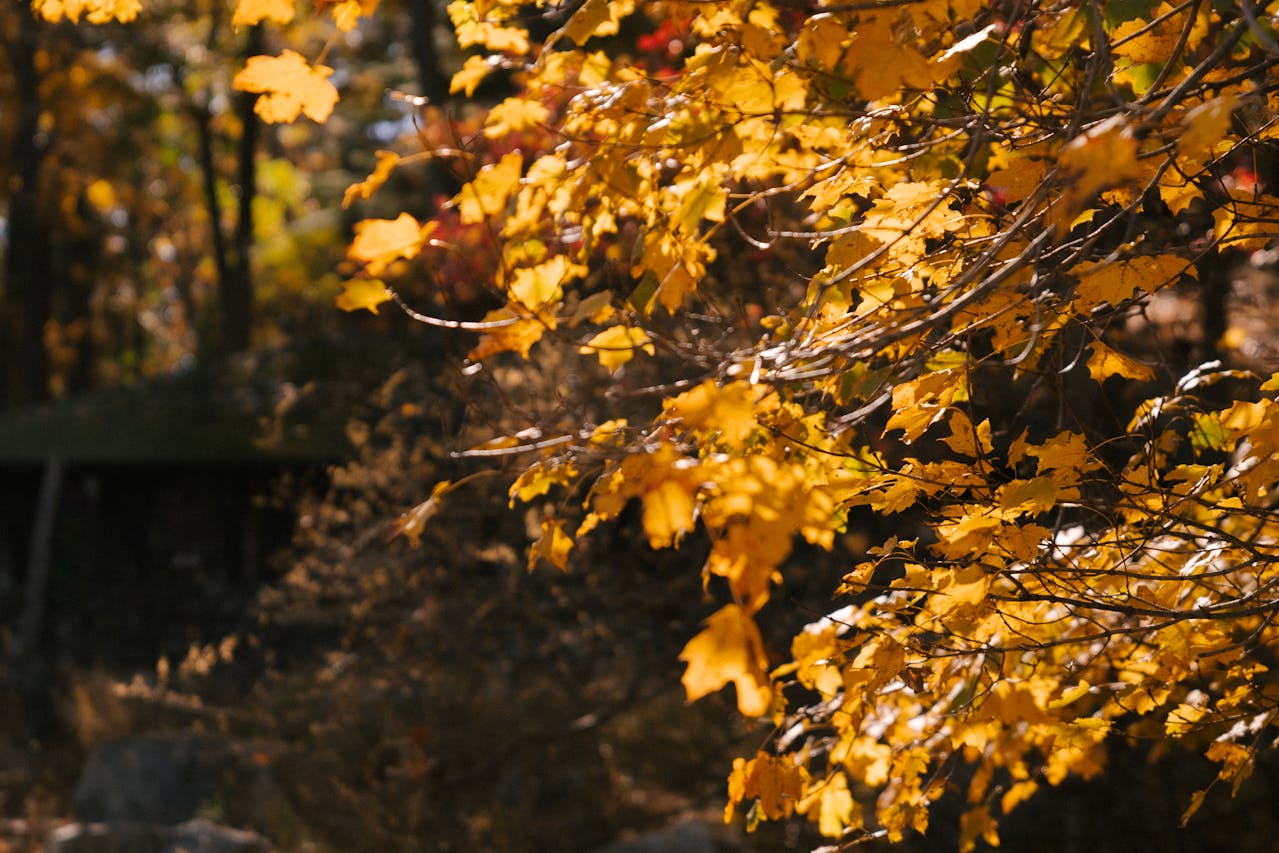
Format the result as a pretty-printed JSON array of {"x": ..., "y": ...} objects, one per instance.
[
  {"x": 553, "y": 545},
  {"x": 1066, "y": 451},
  {"x": 834, "y": 806},
  {"x": 250, "y": 12},
  {"x": 472, "y": 73},
  {"x": 1138, "y": 42},
  {"x": 1205, "y": 126},
  {"x": 616, "y": 346},
  {"x": 386, "y": 163},
  {"x": 1103, "y": 156},
  {"x": 1105, "y": 362},
  {"x": 670, "y": 511},
  {"x": 517, "y": 334},
  {"x": 730, "y": 410},
  {"x": 534, "y": 287},
  {"x": 380, "y": 242},
  {"x": 597, "y": 18},
  {"x": 729, "y": 650},
  {"x": 288, "y": 85},
  {"x": 974, "y": 824},
  {"x": 412, "y": 523},
  {"x": 1115, "y": 283},
  {"x": 360, "y": 293},
  {"x": 539, "y": 479},
  {"x": 514, "y": 114},
  {"x": 774, "y": 783},
  {"x": 97, "y": 11},
  {"x": 488, "y": 194},
  {"x": 348, "y": 12},
  {"x": 966, "y": 439},
  {"x": 473, "y": 27}
]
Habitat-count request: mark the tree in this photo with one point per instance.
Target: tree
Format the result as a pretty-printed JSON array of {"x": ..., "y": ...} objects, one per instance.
[{"x": 899, "y": 260}]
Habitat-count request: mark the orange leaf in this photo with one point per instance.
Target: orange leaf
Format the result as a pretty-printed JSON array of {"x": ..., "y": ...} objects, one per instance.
[{"x": 289, "y": 85}]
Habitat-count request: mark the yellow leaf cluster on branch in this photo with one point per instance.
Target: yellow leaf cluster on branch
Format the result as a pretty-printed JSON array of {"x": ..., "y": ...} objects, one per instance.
[{"x": 838, "y": 261}]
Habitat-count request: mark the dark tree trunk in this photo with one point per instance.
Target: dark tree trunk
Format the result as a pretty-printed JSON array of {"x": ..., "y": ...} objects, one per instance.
[
  {"x": 423, "y": 19},
  {"x": 237, "y": 287},
  {"x": 25, "y": 295}
]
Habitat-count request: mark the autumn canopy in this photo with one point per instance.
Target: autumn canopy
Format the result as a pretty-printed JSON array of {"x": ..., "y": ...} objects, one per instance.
[{"x": 889, "y": 266}]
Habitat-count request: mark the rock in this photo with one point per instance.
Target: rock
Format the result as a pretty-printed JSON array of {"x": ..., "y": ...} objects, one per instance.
[
  {"x": 151, "y": 780},
  {"x": 195, "y": 836}
]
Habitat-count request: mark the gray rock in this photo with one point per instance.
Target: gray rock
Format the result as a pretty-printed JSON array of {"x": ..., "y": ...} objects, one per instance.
[
  {"x": 151, "y": 780},
  {"x": 195, "y": 836}
]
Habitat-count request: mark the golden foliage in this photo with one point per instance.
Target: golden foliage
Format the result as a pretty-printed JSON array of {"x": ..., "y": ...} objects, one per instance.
[{"x": 881, "y": 256}]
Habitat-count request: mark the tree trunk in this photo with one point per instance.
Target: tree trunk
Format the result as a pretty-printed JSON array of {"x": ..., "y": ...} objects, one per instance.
[
  {"x": 237, "y": 287},
  {"x": 422, "y": 20},
  {"x": 24, "y": 297}
]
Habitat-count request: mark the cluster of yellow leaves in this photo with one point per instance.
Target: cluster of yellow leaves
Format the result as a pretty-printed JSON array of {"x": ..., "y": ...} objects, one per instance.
[
  {"x": 1007, "y": 639},
  {"x": 964, "y": 201},
  {"x": 93, "y": 11},
  {"x": 967, "y": 193}
]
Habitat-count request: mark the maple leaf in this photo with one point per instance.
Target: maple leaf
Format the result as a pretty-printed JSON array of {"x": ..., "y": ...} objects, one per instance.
[
  {"x": 470, "y": 75},
  {"x": 512, "y": 115},
  {"x": 380, "y": 242},
  {"x": 1106, "y": 362},
  {"x": 386, "y": 163},
  {"x": 729, "y": 650},
  {"x": 346, "y": 13},
  {"x": 774, "y": 783},
  {"x": 1115, "y": 283},
  {"x": 514, "y": 332},
  {"x": 670, "y": 511},
  {"x": 412, "y": 523},
  {"x": 553, "y": 545},
  {"x": 366, "y": 293},
  {"x": 728, "y": 411},
  {"x": 96, "y": 11},
  {"x": 488, "y": 194},
  {"x": 538, "y": 479},
  {"x": 289, "y": 86},
  {"x": 1205, "y": 126},
  {"x": 473, "y": 26},
  {"x": 833, "y": 805},
  {"x": 250, "y": 12},
  {"x": 597, "y": 18},
  {"x": 1103, "y": 156},
  {"x": 534, "y": 287},
  {"x": 616, "y": 345}
]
